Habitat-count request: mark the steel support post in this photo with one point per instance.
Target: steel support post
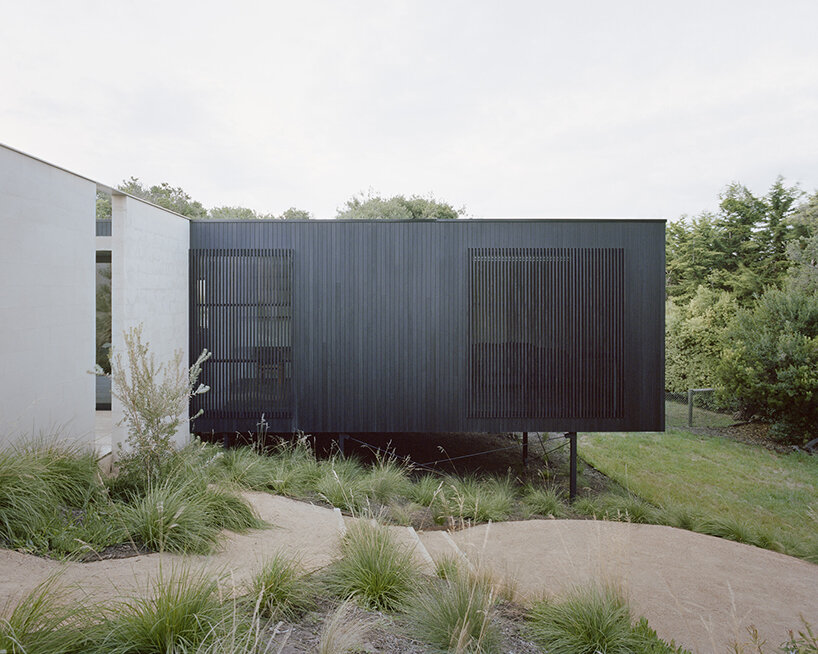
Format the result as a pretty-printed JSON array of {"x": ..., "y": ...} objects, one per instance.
[{"x": 572, "y": 442}]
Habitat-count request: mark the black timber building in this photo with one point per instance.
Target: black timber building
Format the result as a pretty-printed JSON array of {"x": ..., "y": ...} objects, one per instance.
[{"x": 429, "y": 326}]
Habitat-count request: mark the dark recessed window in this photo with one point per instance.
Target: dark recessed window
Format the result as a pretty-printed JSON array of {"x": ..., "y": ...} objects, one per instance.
[
  {"x": 242, "y": 313},
  {"x": 546, "y": 332}
]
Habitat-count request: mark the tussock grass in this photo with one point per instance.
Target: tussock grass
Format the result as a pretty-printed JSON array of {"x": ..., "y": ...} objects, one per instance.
[
  {"x": 426, "y": 488},
  {"x": 473, "y": 499},
  {"x": 387, "y": 480},
  {"x": 681, "y": 517},
  {"x": 173, "y": 518},
  {"x": 627, "y": 508},
  {"x": 586, "y": 621},
  {"x": 448, "y": 566},
  {"x": 588, "y": 506},
  {"x": 52, "y": 500},
  {"x": 245, "y": 467},
  {"x": 281, "y": 589},
  {"x": 342, "y": 483},
  {"x": 295, "y": 469},
  {"x": 374, "y": 569},
  {"x": 179, "y": 613},
  {"x": 593, "y": 619},
  {"x": 44, "y": 622},
  {"x": 545, "y": 501},
  {"x": 237, "y": 635},
  {"x": 739, "y": 530},
  {"x": 226, "y": 510},
  {"x": 456, "y": 614},
  {"x": 343, "y": 632}
]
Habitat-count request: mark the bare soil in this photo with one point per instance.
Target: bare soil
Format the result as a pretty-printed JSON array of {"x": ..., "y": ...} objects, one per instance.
[{"x": 392, "y": 634}]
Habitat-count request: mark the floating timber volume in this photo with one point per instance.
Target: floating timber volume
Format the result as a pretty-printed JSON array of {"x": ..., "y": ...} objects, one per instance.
[{"x": 429, "y": 326}]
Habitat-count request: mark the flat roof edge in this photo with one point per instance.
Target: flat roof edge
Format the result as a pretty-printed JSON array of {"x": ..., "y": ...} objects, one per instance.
[
  {"x": 458, "y": 221},
  {"x": 100, "y": 186}
]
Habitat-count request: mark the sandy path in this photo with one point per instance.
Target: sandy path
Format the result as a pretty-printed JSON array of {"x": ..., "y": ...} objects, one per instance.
[
  {"x": 299, "y": 529},
  {"x": 699, "y": 590}
]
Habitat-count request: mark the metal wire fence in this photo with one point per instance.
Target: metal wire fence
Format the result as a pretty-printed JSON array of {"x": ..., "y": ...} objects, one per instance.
[{"x": 698, "y": 407}]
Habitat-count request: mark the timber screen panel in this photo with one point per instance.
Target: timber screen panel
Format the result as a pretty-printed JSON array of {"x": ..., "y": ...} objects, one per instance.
[
  {"x": 546, "y": 332},
  {"x": 241, "y": 310}
]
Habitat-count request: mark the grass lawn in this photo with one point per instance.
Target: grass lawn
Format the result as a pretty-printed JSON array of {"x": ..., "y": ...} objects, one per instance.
[
  {"x": 717, "y": 480},
  {"x": 676, "y": 415}
]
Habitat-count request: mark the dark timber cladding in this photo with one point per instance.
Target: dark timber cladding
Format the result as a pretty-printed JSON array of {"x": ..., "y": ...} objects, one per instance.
[{"x": 440, "y": 326}]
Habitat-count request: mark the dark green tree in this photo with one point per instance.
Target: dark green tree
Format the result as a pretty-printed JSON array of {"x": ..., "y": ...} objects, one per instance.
[
  {"x": 103, "y": 205},
  {"x": 236, "y": 213},
  {"x": 243, "y": 213},
  {"x": 741, "y": 248},
  {"x": 770, "y": 360},
  {"x": 694, "y": 338},
  {"x": 398, "y": 207},
  {"x": 295, "y": 214},
  {"x": 166, "y": 196}
]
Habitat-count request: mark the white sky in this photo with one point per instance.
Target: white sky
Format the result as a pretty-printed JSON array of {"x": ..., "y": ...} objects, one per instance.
[{"x": 511, "y": 108}]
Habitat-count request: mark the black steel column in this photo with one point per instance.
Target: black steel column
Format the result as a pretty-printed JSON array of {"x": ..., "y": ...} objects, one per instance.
[
  {"x": 572, "y": 441},
  {"x": 525, "y": 449}
]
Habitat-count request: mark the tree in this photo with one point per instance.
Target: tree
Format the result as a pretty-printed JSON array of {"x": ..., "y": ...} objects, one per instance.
[
  {"x": 166, "y": 196},
  {"x": 770, "y": 359},
  {"x": 398, "y": 207},
  {"x": 770, "y": 362},
  {"x": 694, "y": 338},
  {"x": 740, "y": 249},
  {"x": 236, "y": 213},
  {"x": 295, "y": 214},
  {"x": 103, "y": 205},
  {"x": 243, "y": 213}
]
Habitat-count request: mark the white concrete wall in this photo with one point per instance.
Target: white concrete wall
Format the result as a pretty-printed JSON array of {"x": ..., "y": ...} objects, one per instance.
[
  {"x": 149, "y": 285},
  {"x": 47, "y": 300}
]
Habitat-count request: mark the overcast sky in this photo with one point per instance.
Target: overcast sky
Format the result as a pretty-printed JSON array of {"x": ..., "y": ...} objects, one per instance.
[{"x": 518, "y": 109}]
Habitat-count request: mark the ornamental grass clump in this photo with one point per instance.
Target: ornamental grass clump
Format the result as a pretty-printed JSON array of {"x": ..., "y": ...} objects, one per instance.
[
  {"x": 185, "y": 517},
  {"x": 628, "y": 508},
  {"x": 295, "y": 471},
  {"x": 374, "y": 569},
  {"x": 246, "y": 467},
  {"x": 545, "y": 501},
  {"x": 44, "y": 621},
  {"x": 179, "y": 613},
  {"x": 456, "y": 614},
  {"x": 52, "y": 500},
  {"x": 588, "y": 620},
  {"x": 281, "y": 589},
  {"x": 426, "y": 488},
  {"x": 386, "y": 480},
  {"x": 594, "y": 619},
  {"x": 342, "y": 483},
  {"x": 473, "y": 499}
]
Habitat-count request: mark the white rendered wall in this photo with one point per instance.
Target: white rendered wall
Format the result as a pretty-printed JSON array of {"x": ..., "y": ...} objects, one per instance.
[
  {"x": 149, "y": 286},
  {"x": 47, "y": 300}
]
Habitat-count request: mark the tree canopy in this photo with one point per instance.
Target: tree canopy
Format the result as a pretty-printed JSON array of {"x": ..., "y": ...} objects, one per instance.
[
  {"x": 742, "y": 311},
  {"x": 175, "y": 198},
  {"x": 398, "y": 207},
  {"x": 166, "y": 196},
  {"x": 740, "y": 249}
]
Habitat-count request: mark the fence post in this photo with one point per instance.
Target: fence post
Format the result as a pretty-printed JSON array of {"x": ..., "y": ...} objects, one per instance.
[{"x": 689, "y": 407}]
